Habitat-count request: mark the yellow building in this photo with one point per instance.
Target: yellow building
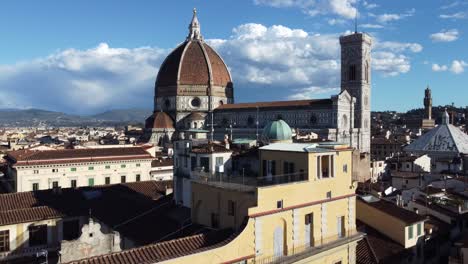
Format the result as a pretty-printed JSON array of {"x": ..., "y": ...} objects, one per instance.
[{"x": 301, "y": 210}]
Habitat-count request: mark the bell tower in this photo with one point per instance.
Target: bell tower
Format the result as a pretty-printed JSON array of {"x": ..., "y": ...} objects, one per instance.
[
  {"x": 428, "y": 103},
  {"x": 356, "y": 79}
]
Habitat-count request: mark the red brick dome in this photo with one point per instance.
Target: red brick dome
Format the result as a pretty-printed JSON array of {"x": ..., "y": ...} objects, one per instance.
[{"x": 193, "y": 63}]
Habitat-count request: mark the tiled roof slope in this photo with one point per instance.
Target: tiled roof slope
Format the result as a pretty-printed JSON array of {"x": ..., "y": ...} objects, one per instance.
[
  {"x": 25, "y": 157},
  {"x": 132, "y": 198},
  {"x": 162, "y": 251},
  {"x": 276, "y": 104},
  {"x": 392, "y": 209},
  {"x": 364, "y": 253}
]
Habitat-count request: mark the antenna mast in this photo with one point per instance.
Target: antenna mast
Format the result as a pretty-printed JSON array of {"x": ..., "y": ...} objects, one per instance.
[{"x": 355, "y": 21}]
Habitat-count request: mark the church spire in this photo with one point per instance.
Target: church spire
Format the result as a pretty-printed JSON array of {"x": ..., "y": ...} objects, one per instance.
[{"x": 194, "y": 28}]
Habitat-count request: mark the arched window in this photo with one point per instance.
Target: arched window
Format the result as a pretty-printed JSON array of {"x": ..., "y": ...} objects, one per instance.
[
  {"x": 344, "y": 121},
  {"x": 352, "y": 73},
  {"x": 279, "y": 117},
  {"x": 167, "y": 104},
  {"x": 221, "y": 102}
]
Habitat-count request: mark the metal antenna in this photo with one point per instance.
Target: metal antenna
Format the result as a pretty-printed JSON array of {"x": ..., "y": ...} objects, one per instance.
[{"x": 355, "y": 21}]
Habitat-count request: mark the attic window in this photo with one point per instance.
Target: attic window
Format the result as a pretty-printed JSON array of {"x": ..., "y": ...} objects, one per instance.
[{"x": 279, "y": 204}]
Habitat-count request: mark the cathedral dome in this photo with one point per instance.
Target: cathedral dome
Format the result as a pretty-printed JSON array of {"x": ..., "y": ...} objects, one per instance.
[
  {"x": 159, "y": 120},
  {"x": 192, "y": 63},
  {"x": 277, "y": 131}
]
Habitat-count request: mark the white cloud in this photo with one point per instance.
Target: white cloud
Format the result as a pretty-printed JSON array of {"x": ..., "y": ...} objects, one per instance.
[
  {"x": 458, "y": 66},
  {"x": 390, "y": 64},
  {"x": 83, "y": 81},
  {"x": 373, "y": 26},
  {"x": 336, "y": 21},
  {"x": 445, "y": 36},
  {"x": 439, "y": 68},
  {"x": 399, "y": 46},
  {"x": 458, "y": 15},
  {"x": 103, "y": 77},
  {"x": 310, "y": 92},
  {"x": 342, "y": 8},
  {"x": 369, "y": 5},
  {"x": 385, "y": 18}
]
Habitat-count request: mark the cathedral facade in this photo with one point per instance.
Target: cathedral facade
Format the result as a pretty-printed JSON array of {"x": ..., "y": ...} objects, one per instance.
[{"x": 194, "y": 89}]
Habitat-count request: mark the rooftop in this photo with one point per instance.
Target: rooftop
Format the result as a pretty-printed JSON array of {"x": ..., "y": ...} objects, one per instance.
[
  {"x": 29, "y": 157},
  {"x": 276, "y": 104},
  {"x": 306, "y": 147},
  {"x": 141, "y": 205},
  {"x": 392, "y": 209}
]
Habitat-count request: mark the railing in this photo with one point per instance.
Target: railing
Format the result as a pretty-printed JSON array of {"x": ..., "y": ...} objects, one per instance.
[{"x": 297, "y": 253}]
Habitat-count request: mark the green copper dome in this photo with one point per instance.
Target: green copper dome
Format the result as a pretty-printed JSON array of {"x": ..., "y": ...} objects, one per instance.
[{"x": 277, "y": 131}]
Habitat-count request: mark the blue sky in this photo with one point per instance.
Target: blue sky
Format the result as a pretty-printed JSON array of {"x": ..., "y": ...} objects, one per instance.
[{"x": 89, "y": 56}]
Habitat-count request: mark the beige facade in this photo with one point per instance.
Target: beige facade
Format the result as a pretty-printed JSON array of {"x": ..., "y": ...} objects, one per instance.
[
  {"x": 286, "y": 218},
  {"x": 81, "y": 174}
]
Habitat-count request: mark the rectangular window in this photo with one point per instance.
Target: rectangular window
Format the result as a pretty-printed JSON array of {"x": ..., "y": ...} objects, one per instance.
[
  {"x": 5, "y": 241},
  {"x": 72, "y": 169},
  {"x": 340, "y": 226},
  {"x": 123, "y": 179},
  {"x": 55, "y": 184},
  {"x": 54, "y": 170},
  {"x": 107, "y": 167},
  {"x": 91, "y": 168},
  {"x": 138, "y": 178},
  {"x": 329, "y": 195},
  {"x": 71, "y": 229},
  {"x": 231, "y": 208},
  {"x": 419, "y": 229},
  {"x": 219, "y": 161},
  {"x": 35, "y": 186},
  {"x": 138, "y": 165},
  {"x": 352, "y": 73},
  {"x": 73, "y": 183},
  {"x": 279, "y": 204},
  {"x": 91, "y": 182},
  {"x": 37, "y": 235},
  {"x": 410, "y": 232},
  {"x": 107, "y": 180},
  {"x": 36, "y": 171},
  {"x": 345, "y": 168},
  {"x": 123, "y": 166},
  {"x": 308, "y": 219}
]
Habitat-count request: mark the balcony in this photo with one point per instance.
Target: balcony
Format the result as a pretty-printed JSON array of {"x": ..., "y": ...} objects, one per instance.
[
  {"x": 299, "y": 253},
  {"x": 246, "y": 183}
]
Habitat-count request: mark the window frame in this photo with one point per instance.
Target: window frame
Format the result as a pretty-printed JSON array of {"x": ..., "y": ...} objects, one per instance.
[
  {"x": 34, "y": 231},
  {"x": 4, "y": 240}
]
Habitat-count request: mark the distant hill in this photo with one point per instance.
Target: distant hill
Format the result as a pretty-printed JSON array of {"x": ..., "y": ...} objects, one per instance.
[
  {"x": 36, "y": 117},
  {"x": 124, "y": 115}
]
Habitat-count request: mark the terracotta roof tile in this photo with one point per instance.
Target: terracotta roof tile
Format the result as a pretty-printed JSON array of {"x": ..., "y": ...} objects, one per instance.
[
  {"x": 276, "y": 104},
  {"x": 392, "y": 209},
  {"x": 162, "y": 251},
  {"x": 220, "y": 72},
  {"x": 169, "y": 69},
  {"x": 194, "y": 67},
  {"x": 28, "y": 157},
  {"x": 159, "y": 120}
]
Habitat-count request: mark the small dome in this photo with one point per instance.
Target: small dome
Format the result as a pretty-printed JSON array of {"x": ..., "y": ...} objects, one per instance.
[
  {"x": 277, "y": 131},
  {"x": 159, "y": 120}
]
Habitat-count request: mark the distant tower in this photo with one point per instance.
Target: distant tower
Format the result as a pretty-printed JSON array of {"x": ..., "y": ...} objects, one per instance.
[
  {"x": 428, "y": 103},
  {"x": 356, "y": 79},
  {"x": 428, "y": 122}
]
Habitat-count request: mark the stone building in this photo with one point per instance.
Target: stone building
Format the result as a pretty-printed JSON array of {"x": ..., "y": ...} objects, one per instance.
[
  {"x": 194, "y": 87},
  {"x": 427, "y": 122},
  {"x": 29, "y": 170}
]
